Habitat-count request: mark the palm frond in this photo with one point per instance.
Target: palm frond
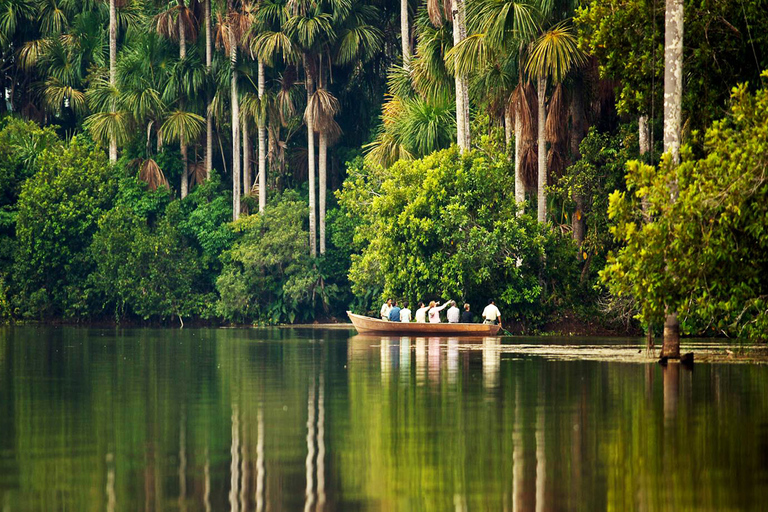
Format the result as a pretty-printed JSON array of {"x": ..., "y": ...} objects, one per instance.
[
  {"x": 151, "y": 174},
  {"x": 359, "y": 43},
  {"x": 323, "y": 106},
  {"x": 270, "y": 45},
  {"x": 554, "y": 54},
  {"x": 469, "y": 56},
  {"x": 183, "y": 127},
  {"x": 104, "y": 126},
  {"x": 555, "y": 129},
  {"x": 58, "y": 96}
]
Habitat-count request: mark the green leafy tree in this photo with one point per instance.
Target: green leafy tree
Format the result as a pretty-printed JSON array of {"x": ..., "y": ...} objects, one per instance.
[
  {"x": 445, "y": 226},
  {"x": 142, "y": 270},
  {"x": 268, "y": 275},
  {"x": 59, "y": 208},
  {"x": 703, "y": 253}
]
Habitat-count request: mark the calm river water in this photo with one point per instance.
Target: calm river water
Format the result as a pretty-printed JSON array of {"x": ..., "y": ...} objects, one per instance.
[{"x": 300, "y": 419}]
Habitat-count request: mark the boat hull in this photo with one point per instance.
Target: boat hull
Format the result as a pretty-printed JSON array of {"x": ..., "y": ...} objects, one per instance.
[{"x": 368, "y": 325}]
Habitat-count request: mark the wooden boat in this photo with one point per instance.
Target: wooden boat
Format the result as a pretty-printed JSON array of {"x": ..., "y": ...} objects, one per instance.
[{"x": 368, "y": 325}]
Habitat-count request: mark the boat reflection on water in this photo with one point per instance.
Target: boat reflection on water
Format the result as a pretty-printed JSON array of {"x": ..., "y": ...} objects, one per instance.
[{"x": 431, "y": 359}]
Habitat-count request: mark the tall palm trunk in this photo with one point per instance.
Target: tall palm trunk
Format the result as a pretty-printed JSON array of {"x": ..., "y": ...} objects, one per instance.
[
  {"x": 208, "y": 117},
  {"x": 462, "y": 92},
  {"x": 262, "y": 142},
  {"x": 643, "y": 135},
  {"x": 673, "y": 96},
  {"x": 235, "y": 127},
  {"x": 577, "y": 132},
  {"x": 112, "y": 68},
  {"x": 509, "y": 127},
  {"x": 519, "y": 184},
  {"x": 322, "y": 172},
  {"x": 311, "y": 163},
  {"x": 182, "y": 142},
  {"x": 542, "y": 182},
  {"x": 246, "y": 159},
  {"x": 405, "y": 34}
]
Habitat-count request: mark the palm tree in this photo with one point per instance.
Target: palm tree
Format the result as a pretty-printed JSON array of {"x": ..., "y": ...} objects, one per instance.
[
  {"x": 499, "y": 35},
  {"x": 228, "y": 37},
  {"x": 208, "y": 67},
  {"x": 553, "y": 55},
  {"x": 673, "y": 95},
  {"x": 405, "y": 34},
  {"x": 454, "y": 9},
  {"x": 112, "y": 67},
  {"x": 179, "y": 23}
]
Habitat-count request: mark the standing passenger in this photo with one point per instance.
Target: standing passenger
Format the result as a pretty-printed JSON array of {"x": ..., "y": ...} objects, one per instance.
[
  {"x": 467, "y": 317},
  {"x": 421, "y": 313},
  {"x": 385, "y": 309},
  {"x": 434, "y": 311},
  {"x": 405, "y": 313},
  {"x": 394, "y": 313},
  {"x": 453, "y": 313},
  {"x": 491, "y": 313}
]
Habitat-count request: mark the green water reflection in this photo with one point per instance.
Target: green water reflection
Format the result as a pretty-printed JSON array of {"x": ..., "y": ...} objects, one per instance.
[{"x": 315, "y": 420}]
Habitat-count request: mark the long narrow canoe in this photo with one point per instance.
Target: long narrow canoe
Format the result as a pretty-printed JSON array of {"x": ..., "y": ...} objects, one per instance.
[{"x": 368, "y": 325}]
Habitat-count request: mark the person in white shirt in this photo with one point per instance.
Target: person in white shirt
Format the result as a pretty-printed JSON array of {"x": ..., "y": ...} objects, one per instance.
[
  {"x": 421, "y": 313},
  {"x": 491, "y": 313},
  {"x": 434, "y": 311},
  {"x": 405, "y": 313},
  {"x": 385, "y": 309},
  {"x": 453, "y": 313}
]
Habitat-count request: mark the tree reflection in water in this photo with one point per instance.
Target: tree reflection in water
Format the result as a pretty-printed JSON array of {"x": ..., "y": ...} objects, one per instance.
[{"x": 283, "y": 420}]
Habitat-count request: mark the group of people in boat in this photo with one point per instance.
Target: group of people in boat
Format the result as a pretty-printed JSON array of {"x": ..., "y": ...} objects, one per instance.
[{"x": 393, "y": 311}]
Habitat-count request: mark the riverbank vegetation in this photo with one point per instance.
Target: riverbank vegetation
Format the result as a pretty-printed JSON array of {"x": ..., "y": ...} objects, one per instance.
[{"x": 283, "y": 161}]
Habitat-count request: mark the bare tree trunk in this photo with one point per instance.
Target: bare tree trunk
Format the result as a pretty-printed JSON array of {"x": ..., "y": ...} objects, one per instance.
[
  {"x": 673, "y": 95},
  {"x": 519, "y": 184},
  {"x": 182, "y": 142},
  {"x": 577, "y": 133},
  {"x": 542, "y": 182},
  {"x": 643, "y": 135},
  {"x": 405, "y": 34},
  {"x": 462, "y": 93},
  {"x": 112, "y": 68},
  {"x": 311, "y": 166},
  {"x": 508, "y": 126},
  {"x": 208, "y": 117},
  {"x": 262, "y": 144},
  {"x": 235, "y": 129},
  {"x": 322, "y": 171},
  {"x": 246, "y": 159}
]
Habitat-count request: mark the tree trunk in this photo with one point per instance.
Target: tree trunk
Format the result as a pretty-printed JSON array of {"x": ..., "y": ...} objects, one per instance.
[
  {"x": 262, "y": 143},
  {"x": 311, "y": 166},
  {"x": 246, "y": 159},
  {"x": 208, "y": 117},
  {"x": 519, "y": 184},
  {"x": 235, "y": 129},
  {"x": 542, "y": 171},
  {"x": 462, "y": 93},
  {"x": 405, "y": 34},
  {"x": 673, "y": 95},
  {"x": 508, "y": 126},
  {"x": 182, "y": 142},
  {"x": 112, "y": 69},
  {"x": 643, "y": 135},
  {"x": 577, "y": 133},
  {"x": 322, "y": 171}
]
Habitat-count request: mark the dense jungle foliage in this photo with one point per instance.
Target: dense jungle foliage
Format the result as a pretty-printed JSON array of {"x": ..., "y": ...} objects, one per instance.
[{"x": 284, "y": 161}]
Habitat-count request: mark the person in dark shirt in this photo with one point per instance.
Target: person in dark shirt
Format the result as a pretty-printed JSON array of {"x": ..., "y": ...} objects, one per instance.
[
  {"x": 467, "y": 317},
  {"x": 394, "y": 313}
]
